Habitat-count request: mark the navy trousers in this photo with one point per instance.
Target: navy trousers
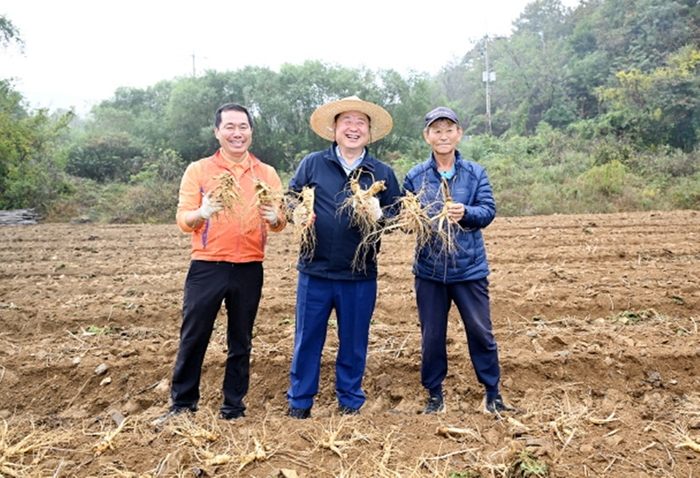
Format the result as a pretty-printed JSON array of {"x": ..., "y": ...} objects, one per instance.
[
  {"x": 354, "y": 303},
  {"x": 208, "y": 284},
  {"x": 434, "y": 300}
]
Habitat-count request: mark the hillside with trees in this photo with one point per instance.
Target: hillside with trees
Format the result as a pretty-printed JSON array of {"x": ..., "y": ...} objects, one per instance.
[{"x": 591, "y": 109}]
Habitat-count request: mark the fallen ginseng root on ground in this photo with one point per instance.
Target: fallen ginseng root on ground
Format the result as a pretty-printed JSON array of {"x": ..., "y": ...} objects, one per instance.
[
  {"x": 106, "y": 442},
  {"x": 194, "y": 433},
  {"x": 687, "y": 441},
  {"x": 453, "y": 431},
  {"x": 333, "y": 444},
  {"x": 259, "y": 454},
  {"x": 19, "y": 458}
]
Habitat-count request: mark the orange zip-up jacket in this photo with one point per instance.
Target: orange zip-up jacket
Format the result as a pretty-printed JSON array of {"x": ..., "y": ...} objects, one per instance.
[{"x": 237, "y": 236}]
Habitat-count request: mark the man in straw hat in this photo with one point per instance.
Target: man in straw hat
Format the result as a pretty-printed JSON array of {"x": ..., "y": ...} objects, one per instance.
[
  {"x": 458, "y": 272},
  {"x": 330, "y": 276}
]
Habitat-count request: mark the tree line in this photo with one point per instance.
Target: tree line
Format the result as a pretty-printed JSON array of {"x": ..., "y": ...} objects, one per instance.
[{"x": 599, "y": 101}]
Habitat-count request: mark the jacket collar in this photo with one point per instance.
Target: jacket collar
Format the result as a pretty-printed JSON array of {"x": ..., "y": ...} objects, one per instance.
[
  {"x": 250, "y": 162},
  {"x": 367, "y": 159},
  {"x": 458, "y": 161}
]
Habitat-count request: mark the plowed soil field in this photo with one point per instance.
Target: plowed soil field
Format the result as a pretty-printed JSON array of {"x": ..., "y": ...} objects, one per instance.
[{"x": 596, "y": 318}]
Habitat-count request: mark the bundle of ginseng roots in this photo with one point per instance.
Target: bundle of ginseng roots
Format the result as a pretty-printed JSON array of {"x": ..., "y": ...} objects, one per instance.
[
  {"x": 414, "y": 218},
  {"x": 229, "y": 192},
  {"x": 302, "y": 213}
]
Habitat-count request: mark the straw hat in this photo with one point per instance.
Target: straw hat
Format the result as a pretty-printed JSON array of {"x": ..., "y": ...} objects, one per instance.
[{"x": 323, "y": 118}]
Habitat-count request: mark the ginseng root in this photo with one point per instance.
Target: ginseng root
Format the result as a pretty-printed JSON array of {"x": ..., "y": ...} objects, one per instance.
[
  {"x": 363, "y": 215},
  {"x": 413, "y": 219},
  {"x": 303, "y": 218},
  {"x": 359, "y": 204},
  {"x": 264, "y": 193},
  {"x": 228, "y": 191},
  {"x": 444, "y": 225}
]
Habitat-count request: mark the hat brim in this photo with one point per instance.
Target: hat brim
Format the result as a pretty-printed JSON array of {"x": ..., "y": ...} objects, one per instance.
[{"x": 323, "y": 119}]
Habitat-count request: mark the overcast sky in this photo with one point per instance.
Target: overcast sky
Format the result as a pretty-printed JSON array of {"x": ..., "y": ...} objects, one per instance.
[{"x": 77, "y": 52}]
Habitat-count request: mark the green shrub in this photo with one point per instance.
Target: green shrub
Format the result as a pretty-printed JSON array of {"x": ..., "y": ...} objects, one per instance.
[
  {"x": 105, "y": 158},
  {"x": 607, "y": 180}
]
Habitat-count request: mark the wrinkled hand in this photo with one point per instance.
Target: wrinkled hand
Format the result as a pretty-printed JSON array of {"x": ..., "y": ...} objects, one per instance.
[
  {"x": 405, "y": 220},
  {"x": 210, "y": 206},
  {"x": 270, "y": 213},
  {"x": 456, "y": 211}
]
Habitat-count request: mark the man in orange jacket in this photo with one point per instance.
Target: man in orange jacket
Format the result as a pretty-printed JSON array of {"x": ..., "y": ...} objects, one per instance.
[{"x": 228, "y": 248}]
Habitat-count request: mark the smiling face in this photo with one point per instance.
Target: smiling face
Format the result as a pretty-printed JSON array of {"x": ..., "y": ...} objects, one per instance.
[
  {"x": 234, "y": 134},
  {"x": 352, "y": 130},
  {"x": 443, "y": 136}
]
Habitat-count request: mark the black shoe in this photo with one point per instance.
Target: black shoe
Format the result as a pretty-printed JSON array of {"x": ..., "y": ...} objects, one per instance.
[
  {"x": 345, "y": 410},
  {"x": 435, "y": 405},
  {"x": 234, "y": 415},
  {"x": 300, "y": 413},
  {"x": 174, "y": 411},
  {"x": 496, "y": 406}
]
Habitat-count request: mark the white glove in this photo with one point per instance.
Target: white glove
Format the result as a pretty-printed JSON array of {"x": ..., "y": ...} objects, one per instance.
[
  {"x": 302, "y": 216},
  {"x": 372, "y": 208},
  {"x": 210, "y": 206},
  {"x": 375, "y": 209},
  {"x": 270, "y": 213}
]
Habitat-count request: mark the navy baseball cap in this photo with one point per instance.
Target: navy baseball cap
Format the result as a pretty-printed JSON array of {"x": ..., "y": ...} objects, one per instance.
[{"x": 441, "y": 112}]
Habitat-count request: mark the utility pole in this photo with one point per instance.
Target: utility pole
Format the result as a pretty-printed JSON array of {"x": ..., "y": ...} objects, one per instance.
[
  {"x": 487, "y": 77},
  {"x": 194, "y": 70}
]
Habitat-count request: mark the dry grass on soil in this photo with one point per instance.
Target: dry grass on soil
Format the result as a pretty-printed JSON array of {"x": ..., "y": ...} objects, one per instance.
[{"x": 596, "y": 319}]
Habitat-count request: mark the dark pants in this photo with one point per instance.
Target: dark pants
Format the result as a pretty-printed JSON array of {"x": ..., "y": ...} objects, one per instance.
[
  {"x": 434, "y": 300},
  {"x": 354, "y": 303},
  {"x": 208, "y": 284}
]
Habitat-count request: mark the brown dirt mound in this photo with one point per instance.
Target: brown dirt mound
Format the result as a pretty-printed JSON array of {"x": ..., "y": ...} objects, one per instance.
[{"x": 596, "y": 318}]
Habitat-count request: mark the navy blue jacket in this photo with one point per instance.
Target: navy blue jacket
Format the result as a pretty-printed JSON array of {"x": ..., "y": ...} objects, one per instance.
[
  {"x": 469, "y": 186},
  {"x": 336, "y": 238}
]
